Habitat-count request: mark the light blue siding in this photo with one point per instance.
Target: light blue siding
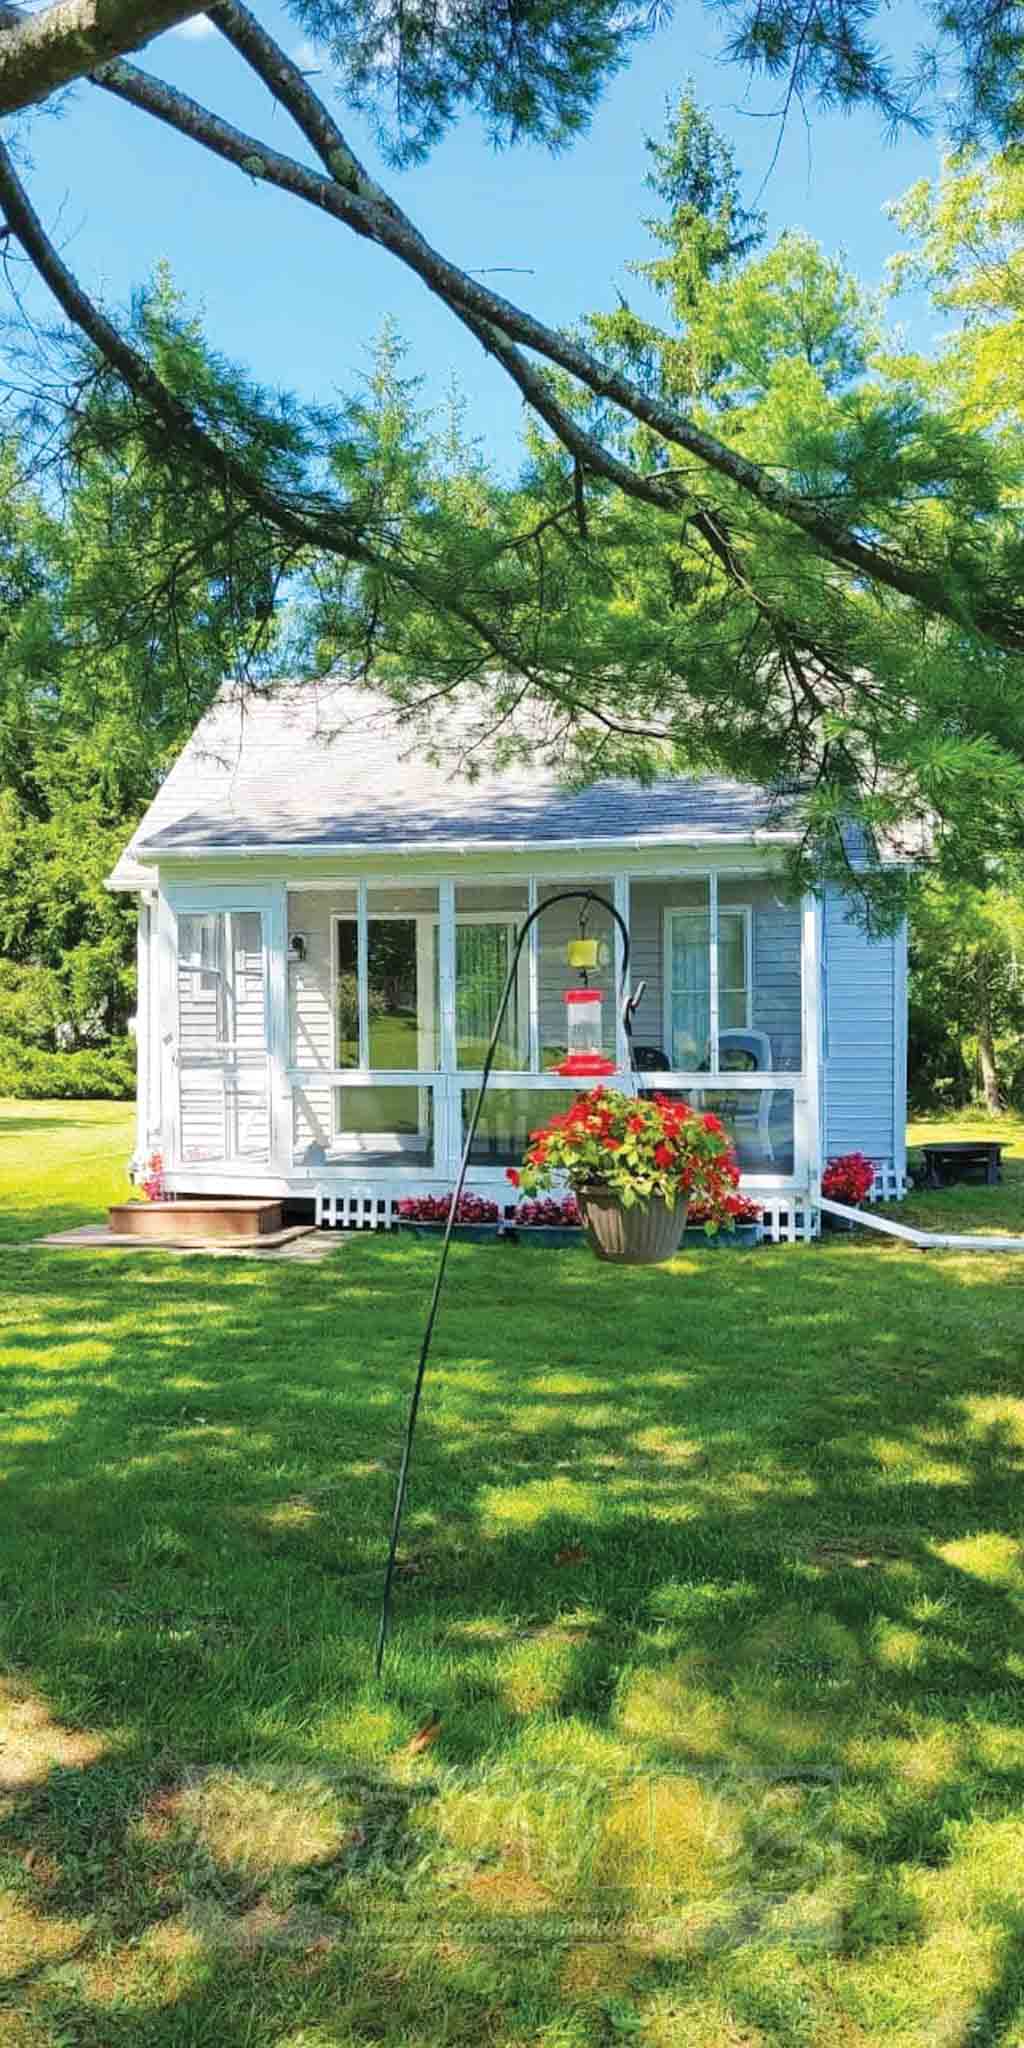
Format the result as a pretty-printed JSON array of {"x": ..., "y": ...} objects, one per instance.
[
  {"x": 864, "y": 1042},
  {"x": 776, "y": 1004}
]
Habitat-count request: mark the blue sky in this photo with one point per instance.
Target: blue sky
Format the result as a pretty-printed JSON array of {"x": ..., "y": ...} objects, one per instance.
[{"x": 297, "y": 299}]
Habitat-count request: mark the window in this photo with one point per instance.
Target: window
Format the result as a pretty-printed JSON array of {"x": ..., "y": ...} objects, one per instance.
[
  {"x": 483, "y": 954},
  {"x": 688, "y": 981}
]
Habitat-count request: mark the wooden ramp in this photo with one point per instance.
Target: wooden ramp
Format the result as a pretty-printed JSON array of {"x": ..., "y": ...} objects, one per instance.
[{"x": 922, "y": 1240}]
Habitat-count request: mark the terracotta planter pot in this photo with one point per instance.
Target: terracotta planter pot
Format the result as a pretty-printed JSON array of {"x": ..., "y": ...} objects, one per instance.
[{"x": 641, "y": 1236}]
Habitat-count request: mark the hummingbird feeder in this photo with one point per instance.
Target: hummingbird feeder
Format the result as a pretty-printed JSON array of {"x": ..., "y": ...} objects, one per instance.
[{"x": 585, "y": 1056}]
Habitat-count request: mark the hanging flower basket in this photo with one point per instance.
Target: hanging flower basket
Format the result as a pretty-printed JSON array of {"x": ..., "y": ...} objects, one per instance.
[
  {"x": 644, "y": 1235},
  {"x": 633, "y": 1163}
]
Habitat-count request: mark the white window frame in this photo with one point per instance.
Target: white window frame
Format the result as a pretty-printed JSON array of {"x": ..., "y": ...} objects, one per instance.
[
  {"x": 715, "y": 914},
  {"x": 428, "y": 926},
  {"x": 361, "y": 919}
]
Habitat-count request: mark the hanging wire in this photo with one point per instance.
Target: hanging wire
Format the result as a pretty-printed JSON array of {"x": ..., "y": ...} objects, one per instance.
[{"x": 587, "y": 897}]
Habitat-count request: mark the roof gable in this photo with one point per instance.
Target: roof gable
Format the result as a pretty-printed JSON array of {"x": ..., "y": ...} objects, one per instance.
[{"x": 321, "y": 767}]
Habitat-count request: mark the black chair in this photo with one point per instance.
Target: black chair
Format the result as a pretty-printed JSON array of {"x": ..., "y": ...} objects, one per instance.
[
  {"x": 653, "y": 1059},
  {"x": 650, "y": 1059}
]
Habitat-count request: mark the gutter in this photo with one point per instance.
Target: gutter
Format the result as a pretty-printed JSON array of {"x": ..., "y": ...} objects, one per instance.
[{"x": 149, "y": 855}]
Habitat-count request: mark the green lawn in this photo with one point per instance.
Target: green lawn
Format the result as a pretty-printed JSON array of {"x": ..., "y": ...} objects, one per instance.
[
  {"x": 713, "y": 1574},
  {"x": 974, "y": 1209},
  {"x": 61, "y": 1164}
]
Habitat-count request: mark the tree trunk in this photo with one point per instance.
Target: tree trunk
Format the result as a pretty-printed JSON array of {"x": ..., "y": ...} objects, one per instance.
[{"x": 986, "y": 1045}]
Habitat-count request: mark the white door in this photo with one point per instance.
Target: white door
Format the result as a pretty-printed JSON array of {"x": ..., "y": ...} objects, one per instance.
[{"x": 222, "y": 1050}]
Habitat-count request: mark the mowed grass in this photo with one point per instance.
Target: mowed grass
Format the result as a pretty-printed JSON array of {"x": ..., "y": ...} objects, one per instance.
[
  {"x": 61, "y": 1164},
  {"x": 966, "y": 1206},
  {"x": 712, "y": 1580}
]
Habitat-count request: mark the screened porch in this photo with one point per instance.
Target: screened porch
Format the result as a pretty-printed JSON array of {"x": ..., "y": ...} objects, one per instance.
[{"x": 392, "y": 993}]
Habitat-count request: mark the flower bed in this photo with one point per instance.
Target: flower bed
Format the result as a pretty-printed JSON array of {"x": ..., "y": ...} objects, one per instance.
[
  {"x": 549, "y": 1222},
  {"x": 476, "y": 1220},
  {"x": 735, "y": 1222},
  {"x": 553, "y": 1220}
]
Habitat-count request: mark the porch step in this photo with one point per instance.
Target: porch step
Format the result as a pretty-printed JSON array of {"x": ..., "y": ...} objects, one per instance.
[{"x": 195, "y": 1219}]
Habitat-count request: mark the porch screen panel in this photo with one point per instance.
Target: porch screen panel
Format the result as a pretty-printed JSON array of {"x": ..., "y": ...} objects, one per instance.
[
  {"x": 689, "y": 979},
  {"x": 487, "y": 924},
  {"x": 383, "y": 1127},
  {"x": 557, "y": 928},
  {"x": 346, "y": 990},
  {"x": 323, "y": 1006},
  {"x": 507, "y": 1118},
  {"x": 399, "y": 926},
  {"x": 759, "y": 1122},
  {"x": 395, "y": 973},
  {"x": 774, "y": 925}
]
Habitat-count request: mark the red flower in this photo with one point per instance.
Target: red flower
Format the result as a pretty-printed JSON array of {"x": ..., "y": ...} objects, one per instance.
[
  {"x": 635, "y": 1123},
  {"x": 663, "y": 1155},
  {"x": 512, "y": 1174},
  {"x": 848, "y": 1178}
]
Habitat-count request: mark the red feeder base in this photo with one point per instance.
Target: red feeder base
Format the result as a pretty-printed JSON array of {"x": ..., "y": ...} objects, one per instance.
[{"x": 585, "y": 1066}]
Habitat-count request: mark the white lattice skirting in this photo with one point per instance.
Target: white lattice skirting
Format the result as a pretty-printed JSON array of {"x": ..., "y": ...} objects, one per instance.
[{"x": 889, "y": 1184}]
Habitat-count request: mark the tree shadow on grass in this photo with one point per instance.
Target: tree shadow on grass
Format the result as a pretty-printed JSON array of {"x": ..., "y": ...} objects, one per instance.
[{"x": 745, "y": 1515}]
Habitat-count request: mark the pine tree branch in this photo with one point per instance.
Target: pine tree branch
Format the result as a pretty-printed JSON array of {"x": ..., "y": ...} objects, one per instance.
[
  {"x": 313, "y": 524},
  {"x": 357, "y": 202},
  {"x": 40, "y": 53}
]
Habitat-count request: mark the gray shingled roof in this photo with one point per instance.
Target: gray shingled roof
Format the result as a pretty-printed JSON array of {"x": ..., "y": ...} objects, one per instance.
[{"x": 326, "y": 766}]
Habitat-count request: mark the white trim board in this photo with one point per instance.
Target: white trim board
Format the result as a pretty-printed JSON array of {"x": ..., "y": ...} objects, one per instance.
[{"x": 922, "y": 1240}]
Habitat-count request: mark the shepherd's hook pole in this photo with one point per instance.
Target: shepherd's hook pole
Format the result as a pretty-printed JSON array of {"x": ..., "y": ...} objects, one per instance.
[{"x": 563, "y": 896}]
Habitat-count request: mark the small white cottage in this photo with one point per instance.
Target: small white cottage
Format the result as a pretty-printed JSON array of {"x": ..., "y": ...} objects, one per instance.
[{"x": 326, "y": 922}]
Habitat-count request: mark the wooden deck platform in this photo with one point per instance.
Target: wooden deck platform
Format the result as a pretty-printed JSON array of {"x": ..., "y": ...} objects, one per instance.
[{"x": 189, "y": 1219}]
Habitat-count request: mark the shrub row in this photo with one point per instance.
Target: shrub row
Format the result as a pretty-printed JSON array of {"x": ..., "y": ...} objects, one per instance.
[{"x": 102, "y": 1073}]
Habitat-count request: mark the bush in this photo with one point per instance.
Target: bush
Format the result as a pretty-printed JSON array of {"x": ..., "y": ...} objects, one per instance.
[
  {"x": 103, "y": 1073},
  {"x": 848, "y": 1178}
]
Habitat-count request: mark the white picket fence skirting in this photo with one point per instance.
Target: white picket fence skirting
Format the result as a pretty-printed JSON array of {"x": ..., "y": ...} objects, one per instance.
[
  {"x": 889, "y": 1184},
  {"x": 354, "y": 1209},
  {"x": 788, "y": 1218}
]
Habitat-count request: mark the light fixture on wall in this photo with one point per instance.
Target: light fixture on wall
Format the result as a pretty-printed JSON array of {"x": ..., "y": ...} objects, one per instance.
[{"x": 296, "y": 949}]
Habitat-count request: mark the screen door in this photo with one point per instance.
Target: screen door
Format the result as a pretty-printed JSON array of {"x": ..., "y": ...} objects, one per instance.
[{"x": 223, "y": 1064}]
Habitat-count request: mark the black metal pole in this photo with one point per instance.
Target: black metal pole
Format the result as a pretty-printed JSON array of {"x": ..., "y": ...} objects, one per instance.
[{"x": 564, "y": 896}]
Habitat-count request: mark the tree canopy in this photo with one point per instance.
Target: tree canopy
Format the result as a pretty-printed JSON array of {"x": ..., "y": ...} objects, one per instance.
[
  {"x": 756, "y": 535},
  {"x": 124, "y": 603}
]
